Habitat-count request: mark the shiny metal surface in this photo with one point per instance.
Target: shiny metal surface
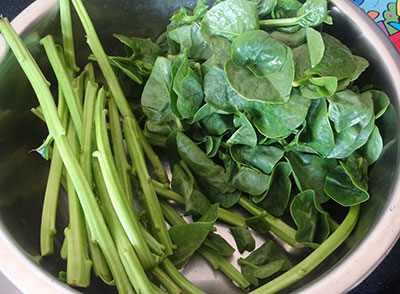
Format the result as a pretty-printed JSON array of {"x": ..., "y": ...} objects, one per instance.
[{"x": 23, "y": 174}]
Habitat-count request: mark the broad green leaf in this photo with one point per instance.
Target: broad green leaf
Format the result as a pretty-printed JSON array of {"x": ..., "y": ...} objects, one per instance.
[
  {"x": 201, "y": 165},
  {"x": 195, "y": 202},
  {"x": 229, "y": 19},
  {"x": 219, "y": 94},
  {"x": 337, "y": 61},
  {"x": 225, "y": 200},
  {"x": 245, "y": 135},
  {"x": 339, "y": 187},
  {"x": 218, "y": 124},
  {"x": 347, "y": 108},
  {"x": 310, "y": 171},
  {"x": 361, "y": 65},
  {"x": 261, "y": 157},
  {"x": 373, "y": 148},
  {"x": 357, "y": 168},
  {"x": 250, "y": 181},
  {"x": 301, "y": 62},
  {"x": 313, "y": 13},
  {"x": 243, "y": 239},
  {"x": 276, "y": 198},
  {"x": 310, "y": 219},
  {"x": 264, "y": 7},
  {"x": 292, "y": 40},
  {"x": 352, "y": 138},
  {"x": 259, "y": 52},
  {"x": 279, "y": 120},
  {"x": 176, "y": 65},
  {"x": 188, "y": 88},
  {"x": 319, "y": 87},
  {"x": 189, "y": 237},
  {"x": 381, "y": 102},
  {"x": 263, "y": 263},
  {"x": 318, "y": 133},
  {"x": 219, "y": 244},
  {"x": 258, "y": 223},
  {"x": 156, "y": 93},
  {"x": 316, "y": 46},
  {"x": 188, "y": 37}
]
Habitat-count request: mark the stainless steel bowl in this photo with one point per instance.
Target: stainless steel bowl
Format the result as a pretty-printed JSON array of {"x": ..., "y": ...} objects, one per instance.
[{"x": 23, "y": 174}]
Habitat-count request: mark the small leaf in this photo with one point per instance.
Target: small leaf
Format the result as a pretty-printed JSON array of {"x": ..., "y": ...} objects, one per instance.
[
  {"x": 250, "y": 181},
  {"x": 373, "y": 148},
  {"x": 258, "y": 223},
  {"x": 316, "y": 46},
  {"x": 219, "y": 244},
  {"x": 245, "y": 135},
  {"x": 243, "y": 239}
]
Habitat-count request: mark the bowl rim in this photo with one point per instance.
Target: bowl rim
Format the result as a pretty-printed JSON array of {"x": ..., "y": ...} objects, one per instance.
[{"x": 24, "y": 273}]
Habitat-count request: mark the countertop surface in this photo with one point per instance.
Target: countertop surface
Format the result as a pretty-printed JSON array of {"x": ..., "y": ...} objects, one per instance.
[{"x": 386, "y": 277}]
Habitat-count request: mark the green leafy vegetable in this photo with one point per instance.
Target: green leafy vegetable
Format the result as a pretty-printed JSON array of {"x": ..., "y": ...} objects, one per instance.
[{"x": 243, "y": 238}]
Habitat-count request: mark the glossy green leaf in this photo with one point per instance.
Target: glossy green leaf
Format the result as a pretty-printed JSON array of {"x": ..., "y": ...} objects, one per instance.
[
  {"x": 219, "y": 94},
  {"x": 201, "y": 165},
  {"x": 263, "y": 263},
  {"x": 373, "y": 148},
  {"x": 261, "y": 157},
  {"x": 347, "y": 108},
  {"x": 275, "y": 88},
  {"x": 292, "y": 40},
  {"x": 316, "y": 46},
  {"x": 218, "y": 124},
  {"x": 381, "y": 102},
  {"x": 310, "y": 171},
  {"x": 188, "y": 88},
  {"x": 337, "y": 61},
  {"x": 186, "y": 17},
  {"x": 188, "y": 37},
  {"x": 225, "y": 200},
  {"x": 339, "y": 187},
  {"x": 250, "y": 181},
  {"x": 258, "y": 223},
  {"x": 245, "y": 135},
  {"x": 310, "y": 219},
  {"x": 319, "y": 87},
  {"x": 276, "y": 198},
  {"x": 264, "y": 7},
  {"x": 156, "y": 93},
  {"x": 313, "y": 13},
  {"x": 357, "y": 168},
  {"x": 259, "y": 52},
  {"x": 243, "y": 239},
  {"x": 318, "y": 133},
  {"x": 278, "y": 120},
  {"x": 361, "y": 65},
  {"x": 229, "y": 19},
  {"x": 219, "y": 244},
  {"x": 189, "y": 237}
]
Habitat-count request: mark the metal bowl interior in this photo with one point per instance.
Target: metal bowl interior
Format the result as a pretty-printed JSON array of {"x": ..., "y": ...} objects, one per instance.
[{"x": 23, "y": 174}]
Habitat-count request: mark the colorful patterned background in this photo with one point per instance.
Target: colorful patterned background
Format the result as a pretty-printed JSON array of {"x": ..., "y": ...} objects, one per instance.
[{"x": 386, "y": 13}]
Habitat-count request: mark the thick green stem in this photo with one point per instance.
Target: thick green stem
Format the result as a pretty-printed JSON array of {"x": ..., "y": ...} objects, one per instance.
[
  {"x": 49, "y": 212},
  {"x": 280, "y": 22},
  {"x": 219, "y": 262},
  {"x": 115, "y": 88},
  {"x": 129, "y": 258},
  {"x": 121, "y": 160},
  {"x": 278, "y": 227},
  {"x": 223, "y": 214},
  {"x": 315, "y": 258},
  {"x": 78, "y": 262},
  {"x": 67, "y": 35},
  {"x": 152, "y": 206},
  {"x": 166, "y": 281},
  {"x": 126, "y": 215},
  {"x": 65, "y": 82},
  {"x": 87, "y": 199},
  {"x": 212, "y": 256},
  {"x": 179, "y": 279}
]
